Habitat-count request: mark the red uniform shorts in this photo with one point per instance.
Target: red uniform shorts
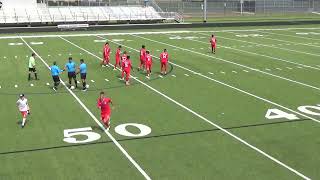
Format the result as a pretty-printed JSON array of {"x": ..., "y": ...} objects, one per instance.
[
  {"x": 105, "y": 117},
  {"x": 24, "y": 114}
]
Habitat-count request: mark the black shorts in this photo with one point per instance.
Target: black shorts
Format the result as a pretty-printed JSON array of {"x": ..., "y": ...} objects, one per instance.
[
  {"x": 71, "y": 74},
  {"x": 32, "y": 70},
  {"x": 56, "y": 79},
  {"x": 83, "y": 75}
]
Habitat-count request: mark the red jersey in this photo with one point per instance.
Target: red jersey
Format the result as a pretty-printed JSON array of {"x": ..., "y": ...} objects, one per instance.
[
  {"x": 103, "y": 104},
  {"x": 164, "y": 56},
  {"x": 118, "y": 54},
  {"x": 142, "y": 54},
  {"x": 148, "y": 59},
  {"x": 126, "y": 65},
  {"x": 213, "y": 40},
  {"x": 106, "y": 50}
]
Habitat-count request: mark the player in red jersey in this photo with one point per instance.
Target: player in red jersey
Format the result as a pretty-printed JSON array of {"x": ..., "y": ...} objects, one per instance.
[
  {"x": 148, "y": 63},
  {"x": 213, "y": 42},
  {"x": 142, "y": 57},
  {"x": 104, "y": 105},
  {"x": 123, "y": 58},
  {"x": 164, "y": 56},
  {"x": 106, "y": 54},
  {"x": 127, "y": 67},
  {"x": 118, "y": 57}
]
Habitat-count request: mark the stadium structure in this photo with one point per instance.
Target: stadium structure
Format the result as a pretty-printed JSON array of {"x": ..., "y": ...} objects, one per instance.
[{"x": 34, "y": 12}]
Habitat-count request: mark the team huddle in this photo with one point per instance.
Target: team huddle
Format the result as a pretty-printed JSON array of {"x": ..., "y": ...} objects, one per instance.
[{"x": 122, "y": 62}]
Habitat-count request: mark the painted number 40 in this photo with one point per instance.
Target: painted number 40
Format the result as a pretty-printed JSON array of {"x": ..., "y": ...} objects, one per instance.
[
  {"x": 279, "y": 114},
  {"x": 86, "y": 135}
]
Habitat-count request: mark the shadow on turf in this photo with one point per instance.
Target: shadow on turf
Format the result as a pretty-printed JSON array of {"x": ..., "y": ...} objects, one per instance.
[{"x": 147, "y": 137}]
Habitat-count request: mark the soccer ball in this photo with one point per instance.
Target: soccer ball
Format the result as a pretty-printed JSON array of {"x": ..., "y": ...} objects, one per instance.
[
  {"x": 87, "y": 86},
  {"x": 72, "y": 87}
]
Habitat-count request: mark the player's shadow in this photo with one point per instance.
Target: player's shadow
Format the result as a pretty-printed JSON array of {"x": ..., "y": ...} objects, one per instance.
[
  {"x": 97, "y": 128},
  {"x": 19, "y": 123}
]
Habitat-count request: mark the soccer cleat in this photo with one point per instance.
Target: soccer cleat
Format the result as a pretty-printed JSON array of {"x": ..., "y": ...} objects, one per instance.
[{"x": 55, "y": 89}]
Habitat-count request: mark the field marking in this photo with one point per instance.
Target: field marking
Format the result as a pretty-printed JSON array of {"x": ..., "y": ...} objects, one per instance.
[
  {"x": 258, "y": 54},
  {"x": 266, "y": 45},
  {"x": 186, "y": 74},
  {"x": 234, "y": 63},
  {"x": 146, "y": 32},
  {"x": 94, "y": 118},
  {"x": 289, "y": 35},
  {"x": 217, "y": 81},
  {"x": 281, "y": 40},
  {"x": 203, "y": 118},
  {"x": 270, "y": 57}
]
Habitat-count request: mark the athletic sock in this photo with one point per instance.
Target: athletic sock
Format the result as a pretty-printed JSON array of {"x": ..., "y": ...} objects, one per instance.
[
  {"x": 36, "y": 75},
  {"x": 29, "y": 77},
  {"x": 23, "y": 121},
  {"x": 75, "y": 82}
]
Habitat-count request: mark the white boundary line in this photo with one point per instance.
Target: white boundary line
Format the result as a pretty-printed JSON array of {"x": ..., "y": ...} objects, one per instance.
[
  {"x": 145, "y": 32},
  {"x": 205, "y": 119},
  {"x": 297, "y": 36},
  {"x": 276, "y": 47},
  {"x": 281, "y": 40},
  {"x": 231, "y": 62},
  {"x": 295, "y": 31},
  {"x": 271, "y": 57},
  {"x": 146, "y": 176}
]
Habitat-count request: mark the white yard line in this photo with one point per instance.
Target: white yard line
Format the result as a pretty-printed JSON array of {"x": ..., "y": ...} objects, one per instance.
[
  {"x": 234, "y": 63},
  {"x": 146, "y": 176},
  {"x": 209, "y": 78},
  {"x": 146, "y": 32},
  {"x": 262, "y": 55},
  {"x": 294, "y": 36},
  {"x": 280, "y": 40},
  {"x": 207, "y": 120},
  {"x": 265, "y": 45}
]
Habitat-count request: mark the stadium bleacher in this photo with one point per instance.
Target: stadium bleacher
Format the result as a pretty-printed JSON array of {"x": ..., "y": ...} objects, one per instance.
[{"x": 41, "y": 13}]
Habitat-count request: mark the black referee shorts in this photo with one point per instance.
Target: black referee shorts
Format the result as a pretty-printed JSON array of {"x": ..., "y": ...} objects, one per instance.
[
  {"x": 83, "y": 75},
  {"x": 32, "y": 70},
  {"x": 56, "y": 79},
  {"x": 72, "y": 75}
]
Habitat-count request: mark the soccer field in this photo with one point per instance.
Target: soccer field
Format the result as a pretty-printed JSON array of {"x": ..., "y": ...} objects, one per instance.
[{"x": 250, "y": 111}]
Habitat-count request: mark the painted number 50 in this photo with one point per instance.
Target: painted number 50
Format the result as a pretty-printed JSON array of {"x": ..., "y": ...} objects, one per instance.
[{"x": 71, "y": 134}]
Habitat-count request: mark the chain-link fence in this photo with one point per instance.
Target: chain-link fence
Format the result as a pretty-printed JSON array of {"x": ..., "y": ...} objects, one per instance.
[{"x": 233, "y": 7}]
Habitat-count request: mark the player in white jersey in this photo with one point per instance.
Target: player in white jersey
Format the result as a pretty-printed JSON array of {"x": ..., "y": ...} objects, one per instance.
[{"x": 24, "y": 109}]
